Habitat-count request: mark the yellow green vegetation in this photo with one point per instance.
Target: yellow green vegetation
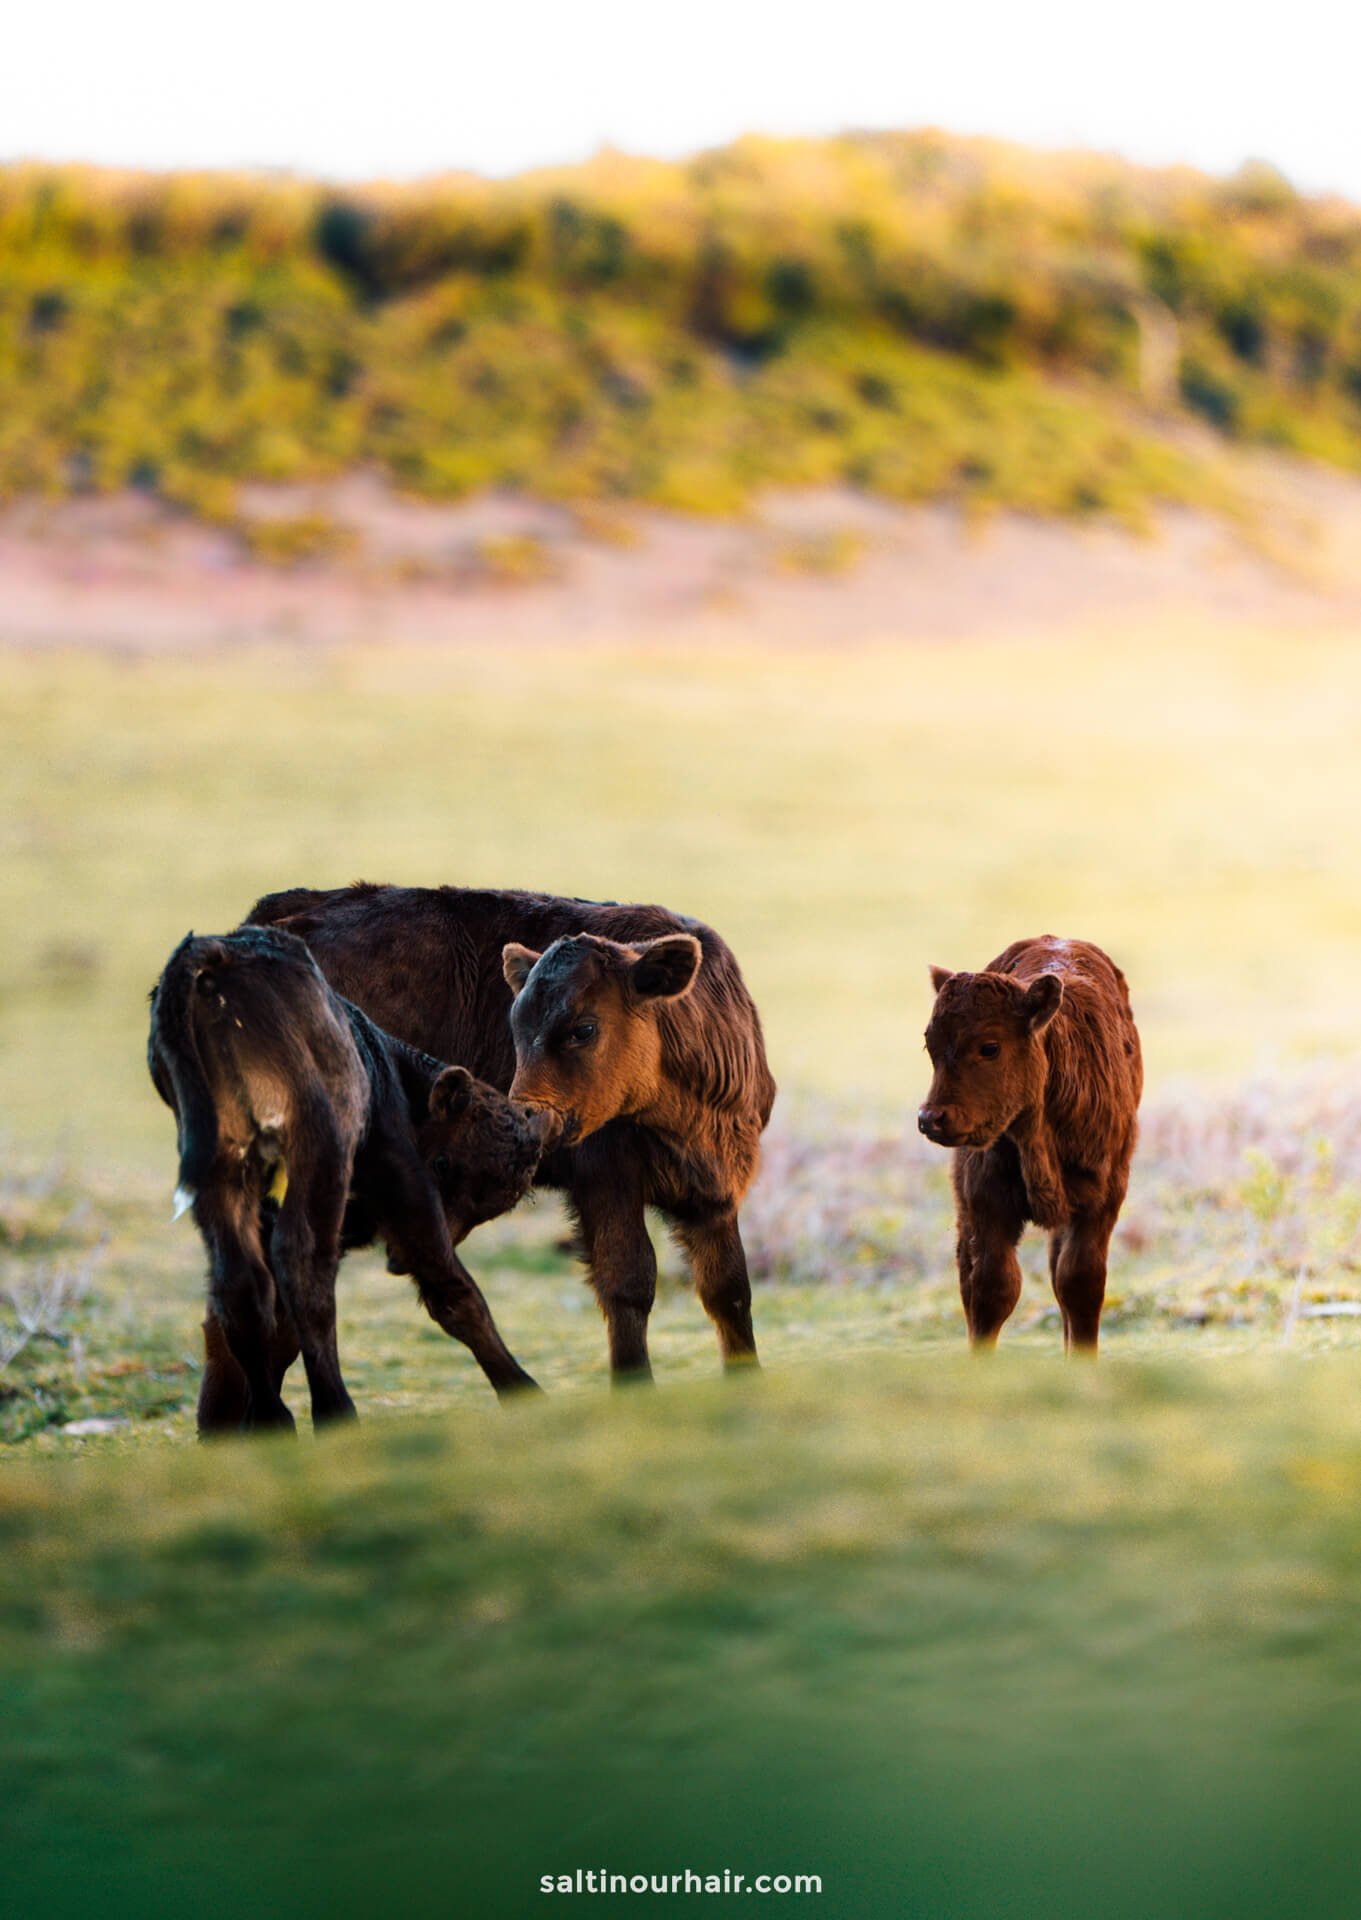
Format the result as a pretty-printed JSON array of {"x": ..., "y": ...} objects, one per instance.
[
  {"x": 956, "y": 1638},
  {"x": 919, "y": 316},
  {"x": 1189, "y": 800}
]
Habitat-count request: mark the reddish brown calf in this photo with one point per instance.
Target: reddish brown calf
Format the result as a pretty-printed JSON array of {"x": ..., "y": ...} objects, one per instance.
[
  {"x": 606, "y": 1036},
  {"x": 1036, "y": 1088}
]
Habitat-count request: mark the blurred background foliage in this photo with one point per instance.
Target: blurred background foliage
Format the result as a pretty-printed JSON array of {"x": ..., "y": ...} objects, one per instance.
[{"x": 921, "y": 316}]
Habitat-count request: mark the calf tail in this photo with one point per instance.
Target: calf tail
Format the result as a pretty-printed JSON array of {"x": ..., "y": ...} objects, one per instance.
[{"x": 174, "y": 1045}]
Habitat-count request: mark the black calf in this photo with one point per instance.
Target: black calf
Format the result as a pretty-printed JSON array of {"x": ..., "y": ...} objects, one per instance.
[{"x": 304, "y": 1130}]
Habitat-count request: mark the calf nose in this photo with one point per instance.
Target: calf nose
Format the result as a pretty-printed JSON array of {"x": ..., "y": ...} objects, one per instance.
[
  {"x": 930, "y": 1120},
  {"x": 548, "y": 1128}
]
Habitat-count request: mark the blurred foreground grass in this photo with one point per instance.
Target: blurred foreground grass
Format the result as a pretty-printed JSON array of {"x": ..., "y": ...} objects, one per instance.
[
  {"x": 1189, "y": 799},
  {"x": 960, "y": 1639}
]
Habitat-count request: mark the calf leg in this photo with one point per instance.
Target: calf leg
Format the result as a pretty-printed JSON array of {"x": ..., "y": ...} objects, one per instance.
[
  {"x": 1077, "y": 1265},
  {"x": 622, "y": 1265},
  {"x": 305, "y": 1254},
  {"x": 241, "y": 1307},
  {"x": 454, "y": 1301},
  {"x": 1055, "y": 1249},
  {"x": 719, "y": 1264},
  {"x": 223, "y": 1395},
  {"x": 284, "y": 1345},
  {"x": 419, "y": 1244},
  {"x": 991, "y": 1219},
  {"x": 994, "y": 1289},
  {"x": 964, "y": 1262}
]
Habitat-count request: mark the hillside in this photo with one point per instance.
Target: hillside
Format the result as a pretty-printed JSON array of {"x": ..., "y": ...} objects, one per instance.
[{"x": 919, "y": 317}]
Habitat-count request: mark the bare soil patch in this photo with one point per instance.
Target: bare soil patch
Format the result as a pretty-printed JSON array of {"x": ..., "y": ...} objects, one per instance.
[{"x": 351, "y": 560}]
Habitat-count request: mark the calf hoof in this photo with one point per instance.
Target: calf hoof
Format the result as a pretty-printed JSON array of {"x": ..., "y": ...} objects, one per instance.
[
  {"x": 521, "y": 1387},
  {"x": 633, "y": 1376},
  {"x": 274, "y": 1421},
  {"x": 341, "y": 1415}
]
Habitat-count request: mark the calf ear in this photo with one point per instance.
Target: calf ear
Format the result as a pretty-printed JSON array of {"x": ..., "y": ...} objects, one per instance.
[
  {"x": 666, "y": 968},
  {"x": 451, "y": 1094},
  {"x": 1043, "y": 998},
  {"x": 517, "y": 963},
  {"x": 939, "y": 976}
]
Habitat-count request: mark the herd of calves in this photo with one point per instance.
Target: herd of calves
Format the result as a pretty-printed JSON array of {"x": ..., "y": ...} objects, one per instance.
[{"x": 610, "y": 1051}]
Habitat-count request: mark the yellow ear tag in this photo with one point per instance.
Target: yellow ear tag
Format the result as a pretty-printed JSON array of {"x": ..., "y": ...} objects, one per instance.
[{"x": 278, "y": 1186}]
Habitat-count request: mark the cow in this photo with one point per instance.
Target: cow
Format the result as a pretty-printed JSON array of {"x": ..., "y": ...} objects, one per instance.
[
  {"x": 664, "y": 1101},
  {"x": 1036, "y": 1086},
  {"x": 304, "y": 1131}
]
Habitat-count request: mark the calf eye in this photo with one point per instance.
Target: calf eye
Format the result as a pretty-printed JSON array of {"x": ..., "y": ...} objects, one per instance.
[
  {"x": 440, "y": 1166},
  {"x": 581, "y": 1034},
  {"x": 989, "y": 1050}
]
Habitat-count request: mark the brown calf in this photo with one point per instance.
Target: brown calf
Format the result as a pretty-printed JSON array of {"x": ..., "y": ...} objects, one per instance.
[
  {"x": 304, "y": 1131},
  {"x": 674, "y": 1122},
  {"x": 1036, "y": 1087},
  {"x": 606, "y": 1033}
]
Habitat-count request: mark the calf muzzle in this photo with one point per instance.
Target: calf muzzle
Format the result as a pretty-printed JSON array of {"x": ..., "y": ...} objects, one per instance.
[
  {"x": 558, "y": 1127},
  {"x": 934, "y": 1122},
  {"x": 550, "y": 1127}
]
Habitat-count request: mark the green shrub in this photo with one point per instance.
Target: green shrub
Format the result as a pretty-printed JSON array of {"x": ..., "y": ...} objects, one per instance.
[{"x": 918, "y": 315}]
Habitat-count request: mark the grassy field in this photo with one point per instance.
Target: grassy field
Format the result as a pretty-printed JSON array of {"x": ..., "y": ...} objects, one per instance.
[
  {"x": 1242, "y": 1233},
  {"x": 1188, "y": 800},
  {"x": 960, "y": 1639}
]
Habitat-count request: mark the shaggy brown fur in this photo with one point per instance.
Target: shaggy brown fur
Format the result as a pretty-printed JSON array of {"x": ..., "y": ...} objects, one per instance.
[
  {"x": 683, "y": 1135},
  {"x": 305, "y": 1130},
  {"x": 1037, "y": 1082}
]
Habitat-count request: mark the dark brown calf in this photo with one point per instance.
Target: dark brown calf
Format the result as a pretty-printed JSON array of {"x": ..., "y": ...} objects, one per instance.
[
  {"x": 1036, "y": 1087},
  {"x": 304, "y": 1131},
  {"x": 683, "y": 1135}
]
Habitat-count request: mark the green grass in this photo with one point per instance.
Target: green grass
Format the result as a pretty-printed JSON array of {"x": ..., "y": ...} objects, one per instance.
[
  {"x": 1242, "y": 1234},
  {"x": 961, "y": 1639}
]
